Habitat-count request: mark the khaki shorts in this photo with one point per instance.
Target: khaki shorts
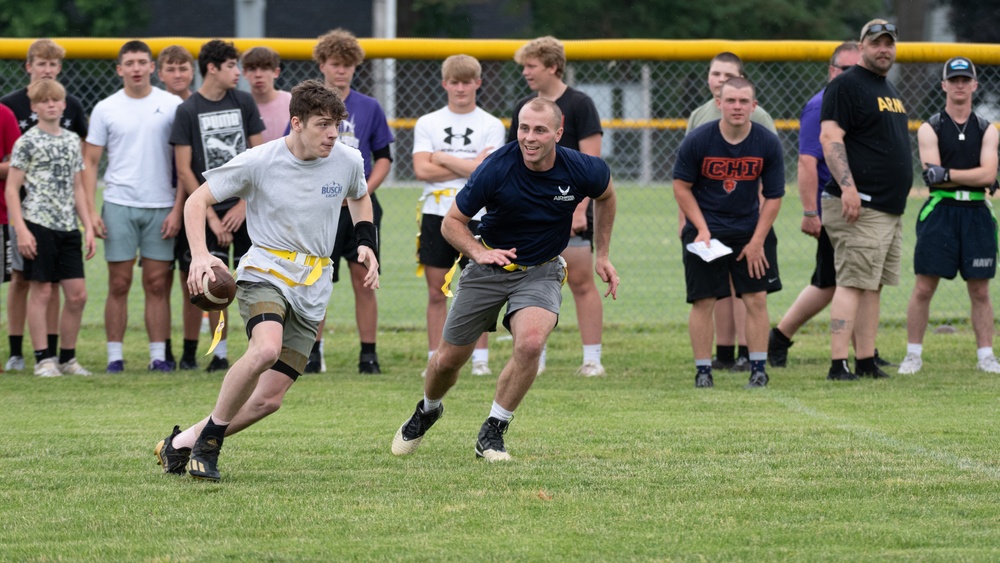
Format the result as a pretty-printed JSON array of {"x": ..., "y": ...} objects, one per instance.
[
  {"x": 867, "y": 254},
  {"x": 298, "y": 334}
]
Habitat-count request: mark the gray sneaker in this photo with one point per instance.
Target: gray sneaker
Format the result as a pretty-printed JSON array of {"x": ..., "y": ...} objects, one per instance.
[{"x": 14, "y": 363}]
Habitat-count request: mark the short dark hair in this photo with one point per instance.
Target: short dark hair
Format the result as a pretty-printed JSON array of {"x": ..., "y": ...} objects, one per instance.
[
  {"x": 313, "y": 97},
  {"x": 261, "y": 57},
  {"x": 543, "y": 105},
  {"x": 727, "y": 57},
  {"x": 216, "y": 52},
  {"x": 740, "y": 82},
  {"x": 134, "y": 46}
]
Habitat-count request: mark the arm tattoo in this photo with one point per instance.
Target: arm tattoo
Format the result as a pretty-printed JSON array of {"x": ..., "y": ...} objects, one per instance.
[{"x": 839, "y": 165}]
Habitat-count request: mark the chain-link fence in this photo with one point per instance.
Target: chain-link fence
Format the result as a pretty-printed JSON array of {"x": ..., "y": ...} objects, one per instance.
[{"x": 643, "y": 104}]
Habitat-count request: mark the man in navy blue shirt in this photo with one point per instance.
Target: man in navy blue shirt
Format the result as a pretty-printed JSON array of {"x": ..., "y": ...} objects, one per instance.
[
  {"x": 530, "y": 190},
  {"x": 720, "y": 167}
]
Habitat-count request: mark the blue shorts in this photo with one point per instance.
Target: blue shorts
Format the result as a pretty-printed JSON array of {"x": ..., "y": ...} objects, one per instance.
[{"x": 957, "y": 239}]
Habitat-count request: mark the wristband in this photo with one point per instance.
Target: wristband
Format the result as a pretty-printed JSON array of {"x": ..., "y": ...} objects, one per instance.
[
  {"x": 810, "y": 213},
  {"x": 366, "y": 234}
]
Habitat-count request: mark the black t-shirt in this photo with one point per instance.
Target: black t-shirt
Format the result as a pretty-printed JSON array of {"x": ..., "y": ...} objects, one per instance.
[
  {"x": 877, "y": 138},
  {"x": 74, "y": 118},
  {"x": 216, "y": 131},
  {"x": 580, "y": 118}
]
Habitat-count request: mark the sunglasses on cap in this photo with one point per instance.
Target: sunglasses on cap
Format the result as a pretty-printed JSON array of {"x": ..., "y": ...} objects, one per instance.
[{"x": 880, "y": 27}]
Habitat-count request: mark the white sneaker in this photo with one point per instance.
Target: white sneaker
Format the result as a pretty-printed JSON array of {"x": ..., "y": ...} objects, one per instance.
[
  {"x": 73, "y": 367},
  {"x": 14, "y": 363},
  {"x": 47, "y": 368},
  {"x": 989, "y": 364},
  {"x": 481, "y": 368},
  {"x": 591, "y": 369},
  {"x": 911, "y": 364}
]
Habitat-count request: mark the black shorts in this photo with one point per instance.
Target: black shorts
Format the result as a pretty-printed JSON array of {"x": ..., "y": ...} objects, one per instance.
[
  {"x": 711, "y": 279},
  {"x": 6, "y": 254},
  {"x": 434, "y": 249},
  {"x": 240, "y": 245},
  {"x": 957, "y": 238},
  {"x": 825, "y": 274},
  {"x": 346, "y": 245},
  {"x": 59, "y": 257}
]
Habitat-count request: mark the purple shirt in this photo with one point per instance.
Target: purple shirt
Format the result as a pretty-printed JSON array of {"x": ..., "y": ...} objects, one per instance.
[
  {"x": 809, "y": 145},
  {"x": 365, "y": 127}
]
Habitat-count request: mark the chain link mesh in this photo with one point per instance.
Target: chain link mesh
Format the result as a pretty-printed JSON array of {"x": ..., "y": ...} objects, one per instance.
[{"x": 643, "y": 105}]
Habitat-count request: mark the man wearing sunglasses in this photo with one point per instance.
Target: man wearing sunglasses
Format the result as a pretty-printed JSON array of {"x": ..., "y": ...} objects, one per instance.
[
  {"x": 866, "y": 144},
  {"x": 956, "y": 230}
]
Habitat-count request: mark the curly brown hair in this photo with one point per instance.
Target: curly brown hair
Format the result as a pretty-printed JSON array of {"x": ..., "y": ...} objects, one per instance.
[
  {"x": 548, "y": 50},
  {"x": 340, "y": 46}
]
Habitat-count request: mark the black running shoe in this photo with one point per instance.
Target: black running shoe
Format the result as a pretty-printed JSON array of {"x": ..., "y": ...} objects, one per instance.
[
  {"x": 742, "y": 364},
  {"x": 188, "y": 364},
  {"x": 777, "y": 351},
  {"x": 314, "y": 363},
  {"x": 882, "y": 363},
  {"x": 204, "y": 462},
  {"x": 703, "y": 379},
  {"x": 722, "y": 364},
  {"x": 412, "y": 431},
  {"x": 490, "y": 445},
  {"x": 368, "y": 363},
  {"x": 840, "y": 374},
  {"x": 875, "y": 373},
  {"x": 758, "y": 379},
  {"x": 217, "y": 364},
  {"x": 174, "y": 461}
]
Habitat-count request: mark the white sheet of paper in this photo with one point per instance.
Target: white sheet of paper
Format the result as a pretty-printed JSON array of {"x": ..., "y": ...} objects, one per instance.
[{"x": 709, "y": 252}]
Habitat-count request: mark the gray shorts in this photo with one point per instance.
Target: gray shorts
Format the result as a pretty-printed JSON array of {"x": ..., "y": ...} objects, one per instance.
[
  {"x": 16, "y": 260},
  {"x": 134, "y": 230},
  {"x": 483, "y": 290},
  {"x": 258, "y": 301}
]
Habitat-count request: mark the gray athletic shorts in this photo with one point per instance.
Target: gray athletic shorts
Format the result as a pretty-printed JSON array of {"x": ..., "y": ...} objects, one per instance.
[
  {"x": 134, "y": 230},
  {"x": 261, "y": 301},
  {"x": 16, "y": 260},
  {"x": 483, "y": 290}
]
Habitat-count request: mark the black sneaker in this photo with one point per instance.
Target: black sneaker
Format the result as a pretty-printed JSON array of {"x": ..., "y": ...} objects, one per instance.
[
  {"x": 188, "y": 364},
  {"x": 777, "y": 351},
  {"x": 490, "y": 446},
  {"x": 722, "y": 364},
  {"x": 758, "y": 379},
  {"x": 315, "y": 360},
  {"x": 883, "y": 363},
  {"x": 173, "y": 460},
  {"x": 875, "y": 373},
  {"x": 703, "y": 379},
  {"x": 412, "y": 431},
  {"x": 204, "y": 462},
  {"x": 840, "y": 374},
  {"x": 217, "y": 364},
  {"x": 368, "y": 363},
  {"x": 742, "y": 364}
]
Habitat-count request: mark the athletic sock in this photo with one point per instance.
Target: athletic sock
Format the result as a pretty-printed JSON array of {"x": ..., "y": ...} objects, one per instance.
[
  {"x": 757, "y": 361},
  {"x": 725, "y": 353},
  {"x": 315, "y": 348},
  {"x": 984, "y": 352},
  {"x": 703, "y": 366},
  {"x": 866, "y": 365},
  {"x": 190, "y": 350},
  {"x": 221, "y": 351},
  {"x": 496, "y": 411},
  {"x": 53, "y": 344},
  {"x": 839, "y": 366},
  {"x": 16, "y": 344},
  {"x": 115, "y": 352},
  {"x": 41, "y": 355},
  {"x": 917, "y": 349},
  {"x": 430, "y": 405},
  {"x": 157, "y": 351},
  {"x": 592, "y": 353},
  {"x": 66, "y": 355},
  {"x": 168, "y": 352},
  {"x": 780, "y": 336},
  {"x": 481, "y": 355},
  {"x": 367, "y": 347},
  {"x": 744, "y": 352}
]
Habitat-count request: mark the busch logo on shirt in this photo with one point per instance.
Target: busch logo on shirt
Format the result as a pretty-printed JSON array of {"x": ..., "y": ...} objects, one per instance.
[{"x": 332, "y": 189}]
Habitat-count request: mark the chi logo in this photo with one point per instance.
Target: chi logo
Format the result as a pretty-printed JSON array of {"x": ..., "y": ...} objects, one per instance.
[
  {"x": 452, "y": 136},
  {"x": 332, "y": 189},
  {"x": 564, "y": 194}
]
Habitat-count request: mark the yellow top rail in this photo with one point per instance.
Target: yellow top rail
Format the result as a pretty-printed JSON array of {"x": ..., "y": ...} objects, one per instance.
[{"x": 503, "y": 49}]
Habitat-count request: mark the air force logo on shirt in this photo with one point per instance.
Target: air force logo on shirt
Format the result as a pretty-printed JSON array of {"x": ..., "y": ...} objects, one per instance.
[
  {"x": 332, "y": 189},
  {"x": 564, "y": 194}
]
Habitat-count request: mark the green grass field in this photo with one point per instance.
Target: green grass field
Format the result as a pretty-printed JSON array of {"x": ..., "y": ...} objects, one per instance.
[{"x": 635, "y": 466}]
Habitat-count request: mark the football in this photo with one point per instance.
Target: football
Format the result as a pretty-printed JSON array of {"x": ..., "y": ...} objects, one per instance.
[{"x": 217, "y": 295}]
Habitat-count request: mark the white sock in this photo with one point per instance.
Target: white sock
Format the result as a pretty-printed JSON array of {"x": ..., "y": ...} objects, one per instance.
[
  {"x": 917, "y": 349},
  {"x": 481, "y": 355},
  {"x": 115, "y": 352},
  {"x": 430, "y": 405},
  {"x": 429, "y": 354},
  {"x": 541, "y": 359},
  {"x": 320, "y": 346},
  {"x": 496, "y": 411},
  {"x": 984, "y": 352},
  {"x": 221, "y": 351},
  {"x": 157, "y": 351},
  {"x": 592, "y": 353}
]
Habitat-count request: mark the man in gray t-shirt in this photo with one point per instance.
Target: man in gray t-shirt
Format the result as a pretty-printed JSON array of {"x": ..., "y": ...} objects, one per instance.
[{"x": 293, "y": 188}]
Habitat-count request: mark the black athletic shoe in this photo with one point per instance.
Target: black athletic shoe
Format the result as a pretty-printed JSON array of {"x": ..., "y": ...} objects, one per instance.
[
  {"x": 758, "y": 379},
  {"x": 314, "y": 363},
  {"x": 875, "y": 373},
  {"x": 217, "y": 364},
  {"x": 490, "y": 445},
  {"x": 204, "y": 462},
  {"x": 883, "y": 363},
  {"x": 722, "y": 365},
  {"x": 840, "y": 374},
  {"x": 742, "y": 364},
  {"x": 703, "y": 379},
  {"x": 777, "y": 351},
  {"x": 188, "y": 364},
  {"x": 174, "y": 461},
  {"x": 412, "y": 431},
  {"x": 368, "y": 363}
]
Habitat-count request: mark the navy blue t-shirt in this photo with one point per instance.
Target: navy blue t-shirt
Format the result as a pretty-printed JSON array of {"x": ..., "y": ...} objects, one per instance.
[
  {"x": 530, "y": 211},
  {"x": 725, "y": 177}
]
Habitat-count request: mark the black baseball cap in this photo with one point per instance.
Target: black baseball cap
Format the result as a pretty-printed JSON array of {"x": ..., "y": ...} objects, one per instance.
[{"x": 958, "y": 66}]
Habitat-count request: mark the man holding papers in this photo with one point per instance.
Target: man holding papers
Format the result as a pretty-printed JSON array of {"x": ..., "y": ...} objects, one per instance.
[{"x": 728, "y": 180}]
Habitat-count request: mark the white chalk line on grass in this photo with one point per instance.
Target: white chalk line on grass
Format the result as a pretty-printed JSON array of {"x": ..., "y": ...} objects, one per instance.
[{"x": 963, "y": 463}]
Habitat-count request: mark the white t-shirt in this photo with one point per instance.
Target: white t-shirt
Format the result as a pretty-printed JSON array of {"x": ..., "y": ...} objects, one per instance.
[
  {"x": 292, "y": 205},
  {"x": 462, "y": 135},
  {"x": 136, "y": 135},
  {"x": 275, "y": 116}
]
